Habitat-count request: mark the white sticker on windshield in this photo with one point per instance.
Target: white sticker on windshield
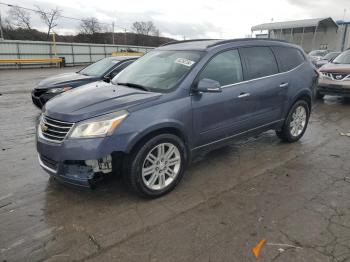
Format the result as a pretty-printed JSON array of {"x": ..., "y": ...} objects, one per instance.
[{"x": 184, "y": 61}]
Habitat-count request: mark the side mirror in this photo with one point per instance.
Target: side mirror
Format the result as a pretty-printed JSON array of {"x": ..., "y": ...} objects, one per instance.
[
  {"x": 206, "y": 85},
  {"x": 107, "y": 79}
]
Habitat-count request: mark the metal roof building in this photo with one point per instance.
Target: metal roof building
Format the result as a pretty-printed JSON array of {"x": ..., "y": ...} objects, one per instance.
[
  {"x": 317, "y": 33},
  {"x": 297, "y": 24}
]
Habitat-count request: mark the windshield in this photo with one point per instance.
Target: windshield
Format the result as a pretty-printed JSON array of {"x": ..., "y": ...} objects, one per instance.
[
  {"x": 330, "y": 56},
  {"x": 318, "y": 53},
  {"x": 343, "y": 58},
  {"x": 99, "y": 68},
  {"x": 158, "y": 70}
]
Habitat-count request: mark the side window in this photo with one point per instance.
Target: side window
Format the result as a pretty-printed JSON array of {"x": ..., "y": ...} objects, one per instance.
[
  {"x": 120, "y": 68},
  {"x": 260, "y": 62},
  {"x": 288, "y": 57},
  {"x": 225, "y": 68}
]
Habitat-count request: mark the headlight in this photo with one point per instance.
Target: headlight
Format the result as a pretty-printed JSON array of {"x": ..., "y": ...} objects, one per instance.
[
  {"x": 99, "y": 126},
  {"x": 58, "y": 90}
]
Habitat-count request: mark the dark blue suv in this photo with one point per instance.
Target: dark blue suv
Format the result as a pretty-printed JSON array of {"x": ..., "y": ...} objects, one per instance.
[{"x": 178, "y": 100}]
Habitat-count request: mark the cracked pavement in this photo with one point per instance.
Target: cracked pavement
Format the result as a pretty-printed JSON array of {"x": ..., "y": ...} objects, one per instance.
[{"x": 296, "y": 196}]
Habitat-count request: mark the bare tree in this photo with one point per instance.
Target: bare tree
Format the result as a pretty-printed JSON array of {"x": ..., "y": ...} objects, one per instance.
[
  {"x": 49, "y": 18},
  {"x": 19, "y": 17},
  {"x": 144, "y": 28},
  {"x": 90, "y": 26}
]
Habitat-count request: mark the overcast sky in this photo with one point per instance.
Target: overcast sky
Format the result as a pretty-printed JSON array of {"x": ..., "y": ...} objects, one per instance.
[{"x": 189, "y": 18}]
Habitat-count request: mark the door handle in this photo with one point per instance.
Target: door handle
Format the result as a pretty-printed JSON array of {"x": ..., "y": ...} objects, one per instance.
[
  {"x": 241, "y": 95},
  {"x": 284, "y": 85}
]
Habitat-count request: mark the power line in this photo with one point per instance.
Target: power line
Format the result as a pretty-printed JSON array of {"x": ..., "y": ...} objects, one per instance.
[{"x": 62, "y": 16}]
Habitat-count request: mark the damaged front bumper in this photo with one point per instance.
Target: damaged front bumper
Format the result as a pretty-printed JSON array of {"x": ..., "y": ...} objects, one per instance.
[
  {"x": 79, "y": 162},
  {"x": 77, "y": 172}
]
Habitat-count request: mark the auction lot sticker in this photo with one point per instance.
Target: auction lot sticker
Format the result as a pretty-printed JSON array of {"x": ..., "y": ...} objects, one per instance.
[{"x": 184, "y": 61}]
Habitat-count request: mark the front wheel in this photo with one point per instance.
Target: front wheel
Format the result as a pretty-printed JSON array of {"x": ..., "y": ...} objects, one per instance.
[
  {"x": 295, "y": 125},
  {"x": 156, "y": 167}
]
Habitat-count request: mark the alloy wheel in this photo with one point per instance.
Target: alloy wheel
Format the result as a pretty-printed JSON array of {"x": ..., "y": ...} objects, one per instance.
[
  {"x": 161, "y": 166},
  {"x": 298, "y": 122}
]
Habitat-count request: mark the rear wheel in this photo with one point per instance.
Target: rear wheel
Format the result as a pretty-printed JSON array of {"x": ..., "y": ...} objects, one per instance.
[
  {"x": 157, "y": 166},
  {"x": 295, "y": 125}
]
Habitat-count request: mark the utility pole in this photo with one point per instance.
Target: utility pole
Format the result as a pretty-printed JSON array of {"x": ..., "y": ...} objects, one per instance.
[
  {"x": 124, "y": 36},
  {"x": 113, "y": 33},
  {"x": 1, "y": 31}
]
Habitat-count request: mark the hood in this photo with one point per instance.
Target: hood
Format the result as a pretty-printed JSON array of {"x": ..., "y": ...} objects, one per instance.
[
  {"x": 321, "y": 62},
  {"x": 73, "y": 79},
  {"x": 95, "y": 99},
  {"x": 336, "y": 68}
]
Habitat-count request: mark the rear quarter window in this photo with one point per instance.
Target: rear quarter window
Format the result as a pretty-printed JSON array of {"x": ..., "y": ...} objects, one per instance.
[
  {"x": 259, "y": 61},
  {"x": 288, "y": 57}
]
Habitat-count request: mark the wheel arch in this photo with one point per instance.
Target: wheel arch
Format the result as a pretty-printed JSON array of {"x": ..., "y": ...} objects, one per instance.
[
  {"x": 303, "y": 95},
  {"x": 154, "y": 131}
]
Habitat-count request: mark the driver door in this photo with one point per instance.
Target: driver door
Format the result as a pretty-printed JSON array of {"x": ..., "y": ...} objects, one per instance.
[{"x": 217, "y": 116}]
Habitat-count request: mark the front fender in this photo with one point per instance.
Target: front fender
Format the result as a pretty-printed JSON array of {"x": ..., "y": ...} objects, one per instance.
[{"x": 153, "y": 128}]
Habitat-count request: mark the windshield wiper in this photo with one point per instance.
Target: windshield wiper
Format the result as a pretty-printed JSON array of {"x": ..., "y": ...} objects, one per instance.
[{"x": 133, "y": 85}]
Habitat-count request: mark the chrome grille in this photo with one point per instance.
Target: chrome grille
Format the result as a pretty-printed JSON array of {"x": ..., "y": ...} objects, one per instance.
[
  {"x": 54, "y": 130},
  {"x": 339, "y": 76}
]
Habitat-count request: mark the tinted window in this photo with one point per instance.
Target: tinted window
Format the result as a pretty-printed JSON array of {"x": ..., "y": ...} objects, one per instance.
[
  {"x": 225, "y": 68},
  {"x": 120, "y": 68},
  {"x": 288, "y": 58},
  {"x": 260, "y": 62},
  {"x": 99, "y": 68}
]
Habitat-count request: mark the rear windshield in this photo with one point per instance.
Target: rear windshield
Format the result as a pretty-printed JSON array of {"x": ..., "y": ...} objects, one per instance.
[{"x": 343, "y": 58}]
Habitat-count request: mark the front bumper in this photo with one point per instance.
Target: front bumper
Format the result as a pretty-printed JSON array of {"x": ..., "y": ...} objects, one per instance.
[
  {"x": 78, "y": 178},
  {"x": 333, "y": 87},
  {"x": 66, "y": 161},
  {"x": 39, "y": 98}
]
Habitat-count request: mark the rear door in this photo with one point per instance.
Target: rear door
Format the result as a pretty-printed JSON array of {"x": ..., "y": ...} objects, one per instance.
[
  {"x": 289, "y": 60},
  {"x": 268, "y": 87}
]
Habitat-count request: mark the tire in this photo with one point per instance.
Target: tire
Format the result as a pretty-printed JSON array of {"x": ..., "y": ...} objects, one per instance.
[
  {"x": 287, "y": 133},
  {"x": 148, "y": 174}
]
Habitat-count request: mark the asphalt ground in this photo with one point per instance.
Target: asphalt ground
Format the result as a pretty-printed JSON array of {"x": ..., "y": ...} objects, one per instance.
[{"x": 295, "y": 196}]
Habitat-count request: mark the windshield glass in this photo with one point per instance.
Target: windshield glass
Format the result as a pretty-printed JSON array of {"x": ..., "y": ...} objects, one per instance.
[
  {"x": 330, "y": 56},
  {"x": 343, "y": 58},
  {"x": 158, "y": 70},
  {"x": 99, "y": 68},
  {"x": 318, "y": 53}
]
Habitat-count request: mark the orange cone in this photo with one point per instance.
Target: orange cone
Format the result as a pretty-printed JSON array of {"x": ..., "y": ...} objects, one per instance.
[{"x": 257, "y": 249}]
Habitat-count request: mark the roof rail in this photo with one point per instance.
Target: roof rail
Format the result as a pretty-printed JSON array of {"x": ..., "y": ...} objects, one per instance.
[
  {"x": 185, "y": 41},
  {"x": 245, "y": 39}
]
